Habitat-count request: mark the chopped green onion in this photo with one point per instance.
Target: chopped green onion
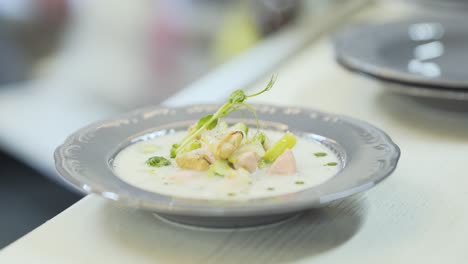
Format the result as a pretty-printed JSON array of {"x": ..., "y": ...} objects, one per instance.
[
  {"x": 331, "y": 164},
  {"x": 270, "y": 188},
  {"x": 320, "y": 154},
  {"x": 158, "y": 161},
  {"x": 299, "y": 182}
]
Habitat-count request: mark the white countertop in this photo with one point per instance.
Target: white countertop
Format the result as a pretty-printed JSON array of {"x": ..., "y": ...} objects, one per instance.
[{"x": 418, "y": 215}]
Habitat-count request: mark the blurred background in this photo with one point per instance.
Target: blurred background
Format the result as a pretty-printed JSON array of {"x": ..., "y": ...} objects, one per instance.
[{"x": 65, "y": 63}]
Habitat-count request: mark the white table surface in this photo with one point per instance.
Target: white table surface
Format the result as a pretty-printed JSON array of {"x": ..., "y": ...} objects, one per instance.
[{"x": 418, "y": 215}]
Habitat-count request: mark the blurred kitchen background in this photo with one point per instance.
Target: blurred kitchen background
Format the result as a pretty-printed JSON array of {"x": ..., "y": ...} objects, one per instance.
[{"x": 65, "y": 63}]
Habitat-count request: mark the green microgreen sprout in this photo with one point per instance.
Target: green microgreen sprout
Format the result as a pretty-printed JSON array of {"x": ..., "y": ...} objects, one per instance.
[{"x": 235, "y": 102}]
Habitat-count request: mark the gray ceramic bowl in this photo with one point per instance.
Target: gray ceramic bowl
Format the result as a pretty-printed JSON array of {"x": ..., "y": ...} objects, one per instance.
[{"x": 367, "y": 156}]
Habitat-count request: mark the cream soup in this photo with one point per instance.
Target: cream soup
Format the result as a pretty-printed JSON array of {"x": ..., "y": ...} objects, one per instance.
[{"x": 315, "y": 165}]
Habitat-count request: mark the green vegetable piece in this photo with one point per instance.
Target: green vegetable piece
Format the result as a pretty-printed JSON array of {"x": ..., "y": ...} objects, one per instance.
[
  {"x": 288, "y": 141},
  {"x": 231, "y": 194},
  {"x": 219, "y": 168},
  {"x": 299, "y": 182},
  {"x": 262, "y": 164},
  {"x": 241, "y": 127},
  {"x": 260, "y": 137},
  {"x": 193, "y": 146},
  {"x": 263, "y": 139},
  {"x": 270, "y": 189},
  {"x": 320, "y": 154},
  {"x": 204, "y": 120},
  {"x": 173, "y": 153},
  {"x": 331, "y": 164},
  {"x": 158, "y": 161},
  {"x": 235, "y": 102},
  {"x": 238, "y": 96}
]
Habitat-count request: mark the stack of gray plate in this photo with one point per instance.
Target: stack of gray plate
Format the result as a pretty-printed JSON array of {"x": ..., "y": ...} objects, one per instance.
[
  {"x": 425, "y": 57},
  {"x": 441, "y": 5}
]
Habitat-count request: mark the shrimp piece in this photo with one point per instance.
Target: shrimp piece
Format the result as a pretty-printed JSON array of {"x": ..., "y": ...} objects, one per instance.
[
  {"x": 285, "y": 164},
  {"x": 248, "y": 161}
]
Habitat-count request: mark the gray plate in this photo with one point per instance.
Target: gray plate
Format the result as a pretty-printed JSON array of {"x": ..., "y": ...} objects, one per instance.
[
  {"x": 439, "y": 95},
  {"x": 442, "y": 5},
  {"x": 367, "y": 156},
  {"x": 424, "y": 52}
]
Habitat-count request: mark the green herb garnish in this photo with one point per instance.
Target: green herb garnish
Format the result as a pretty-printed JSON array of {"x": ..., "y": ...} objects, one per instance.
[
  {"x": 193, "y": 146},
  {"x": 270, "y": 188},
  {"x": 299, "y": 182},
  {"x": 231, "y": 194},
  {"x": 331, "y": 164},
  {"x": 235, "y": 102},
  {"x": 262, "y": 164},
  {"x": 204, "y": 120},
  {"x": 320, "y": 154},
  {"x": 158, "y": 161},
  {"x": 262, "y": 139}
]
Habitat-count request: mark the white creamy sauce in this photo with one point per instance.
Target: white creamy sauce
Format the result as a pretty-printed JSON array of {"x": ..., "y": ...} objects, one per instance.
[{"x": 130, "y": 165}]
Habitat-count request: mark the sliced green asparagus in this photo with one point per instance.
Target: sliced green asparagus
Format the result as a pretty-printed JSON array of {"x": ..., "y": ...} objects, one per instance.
[{"x": 288, "y": 141}]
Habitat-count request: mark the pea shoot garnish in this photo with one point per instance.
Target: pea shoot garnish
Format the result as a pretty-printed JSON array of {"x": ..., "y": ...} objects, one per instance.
[{"x": 235, "y": 102}]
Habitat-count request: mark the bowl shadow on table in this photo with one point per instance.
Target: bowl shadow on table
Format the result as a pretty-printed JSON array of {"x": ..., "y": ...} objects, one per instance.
[
  {"x": 314, "y": 232},
  {"x": 437, "y": 118}
]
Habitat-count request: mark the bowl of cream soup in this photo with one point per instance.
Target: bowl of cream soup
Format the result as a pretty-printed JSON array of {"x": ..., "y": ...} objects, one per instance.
[{"x": 334, "y": 157}]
